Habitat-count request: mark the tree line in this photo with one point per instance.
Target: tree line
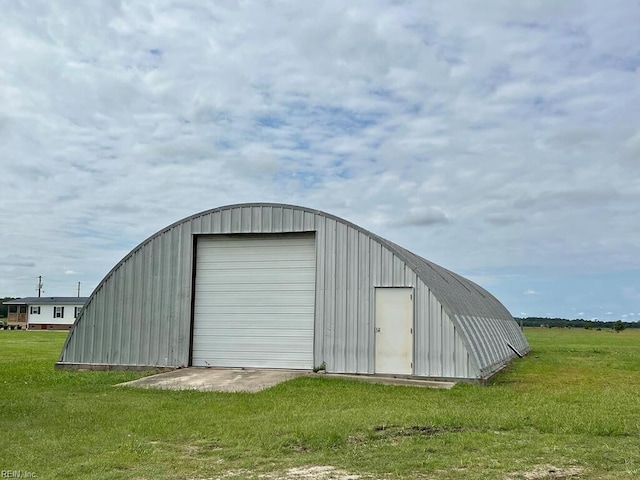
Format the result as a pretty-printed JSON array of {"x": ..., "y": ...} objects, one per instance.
[{"x": 575, "y": 323}]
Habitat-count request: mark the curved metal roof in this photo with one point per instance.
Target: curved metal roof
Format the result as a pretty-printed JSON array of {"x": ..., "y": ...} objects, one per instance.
[{"x": 459, "y": 295}]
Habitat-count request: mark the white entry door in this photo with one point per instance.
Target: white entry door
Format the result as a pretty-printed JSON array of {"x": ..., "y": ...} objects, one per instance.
[{"x": 394, "y": 330}]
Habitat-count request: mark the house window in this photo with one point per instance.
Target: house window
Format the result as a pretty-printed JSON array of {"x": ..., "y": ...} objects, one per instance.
[
  {"x": 13, "y": 309},
  {"x": 58, "y": 312},
  {"x": 23, "y": 309},
  {"x": 76, "y": 311},
  {"x": 34, "y": 311}
]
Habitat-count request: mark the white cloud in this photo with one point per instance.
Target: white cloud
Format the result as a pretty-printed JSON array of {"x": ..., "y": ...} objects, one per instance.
[
  {"x": 422, "y": 217},
  {"x": 530, "y": 292},
  {"x": 505, "y": 134},
  {"x": 17, "y": 261}
]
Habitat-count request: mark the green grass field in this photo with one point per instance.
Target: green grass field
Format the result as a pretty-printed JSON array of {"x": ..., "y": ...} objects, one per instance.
[{"x": 571, "y": 409}]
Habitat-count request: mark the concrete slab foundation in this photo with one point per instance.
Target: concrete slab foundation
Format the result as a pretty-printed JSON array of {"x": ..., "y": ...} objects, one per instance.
[
  {"x": 253, "y": 380},
  {"x": 216, "y": 379}
]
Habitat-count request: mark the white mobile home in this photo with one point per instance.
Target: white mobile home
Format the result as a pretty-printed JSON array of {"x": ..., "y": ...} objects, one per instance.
[{"x": 44, "y": 313}]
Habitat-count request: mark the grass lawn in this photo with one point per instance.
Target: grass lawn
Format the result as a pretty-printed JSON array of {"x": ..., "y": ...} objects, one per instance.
[{"x": 571, "y": 409}]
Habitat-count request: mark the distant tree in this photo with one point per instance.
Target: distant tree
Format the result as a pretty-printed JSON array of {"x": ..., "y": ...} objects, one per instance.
[{"x": 619, "y": 326}]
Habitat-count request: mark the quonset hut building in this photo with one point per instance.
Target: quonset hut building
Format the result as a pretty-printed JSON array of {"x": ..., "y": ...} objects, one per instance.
[{"x": 281, "y": 286}]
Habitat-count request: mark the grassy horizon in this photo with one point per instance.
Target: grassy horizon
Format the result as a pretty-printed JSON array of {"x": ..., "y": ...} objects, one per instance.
[{"x": 569, "y": 408}]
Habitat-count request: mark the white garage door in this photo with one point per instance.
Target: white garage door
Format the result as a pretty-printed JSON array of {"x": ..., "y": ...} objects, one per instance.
[{"x": 254, "y": 301}]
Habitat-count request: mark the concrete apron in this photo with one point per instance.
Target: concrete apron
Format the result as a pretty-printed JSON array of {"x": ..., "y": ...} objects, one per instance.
[{"x": 207, "y": 379}]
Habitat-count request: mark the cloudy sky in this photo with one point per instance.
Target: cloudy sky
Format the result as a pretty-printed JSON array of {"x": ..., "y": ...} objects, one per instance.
[{"x": 499, "y": 139}]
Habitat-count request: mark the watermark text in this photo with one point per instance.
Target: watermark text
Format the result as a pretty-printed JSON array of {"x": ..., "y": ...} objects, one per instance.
[{"x": 17, "y": 474}]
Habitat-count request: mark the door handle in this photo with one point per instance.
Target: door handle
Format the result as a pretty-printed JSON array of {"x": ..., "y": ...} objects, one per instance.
[{"x": 377, "y": 329}]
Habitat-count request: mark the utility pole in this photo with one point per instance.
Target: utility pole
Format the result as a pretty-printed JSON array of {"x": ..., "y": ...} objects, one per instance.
[
  {"x": 78, "y": 289},
  {"x": 40, "y": 286}
]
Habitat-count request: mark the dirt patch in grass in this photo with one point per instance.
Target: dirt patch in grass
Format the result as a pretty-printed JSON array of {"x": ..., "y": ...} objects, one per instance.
[
  {"x": 318, "y": 472},
  {"x": 299, "y": 447},
  {"x": 390, "y": 431},
  {"x": 545, "y": 472},
  {"x": 313, "y": 472},
  {"x": 394, "y": 433},
  {"x": 191, "y": 449}
]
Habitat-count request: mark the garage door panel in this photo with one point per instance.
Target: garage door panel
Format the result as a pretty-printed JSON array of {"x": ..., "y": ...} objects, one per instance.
[
  {"x": 281, "y": 328},
  {"x": 257, "y": 281},
  {"x": 265, "y": 302},
  {"x": 254, "y": 301},
  {"x": 269, "y": 265},
  {"x": 296, "y": 340},
  {"x": 255, "y": 289}
]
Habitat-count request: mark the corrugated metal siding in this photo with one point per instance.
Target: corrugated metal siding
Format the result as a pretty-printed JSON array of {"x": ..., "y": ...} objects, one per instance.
[
  {"x": 140, "y": 314},
  {"x": 440, "y": 351},
  {"x": 489, "y": 340},
  {"x": 354, "y": 263}
]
